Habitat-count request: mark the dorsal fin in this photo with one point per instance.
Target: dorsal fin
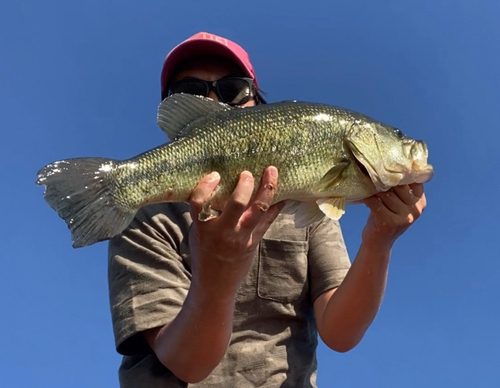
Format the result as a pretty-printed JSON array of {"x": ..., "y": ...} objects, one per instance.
[{"x": 177, "y": 111}]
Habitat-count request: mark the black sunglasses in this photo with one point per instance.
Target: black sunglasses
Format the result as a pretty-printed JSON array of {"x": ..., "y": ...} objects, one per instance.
[{"x": 230, "y": 90}]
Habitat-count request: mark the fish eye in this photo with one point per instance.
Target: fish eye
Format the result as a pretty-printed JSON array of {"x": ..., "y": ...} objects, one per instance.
[{"x": 399, "y": 133}]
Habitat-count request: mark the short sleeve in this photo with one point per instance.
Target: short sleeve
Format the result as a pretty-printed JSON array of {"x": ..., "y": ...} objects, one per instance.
[
  {"x": 148, "y": 273},
  {"x": 327, "y": 256}
]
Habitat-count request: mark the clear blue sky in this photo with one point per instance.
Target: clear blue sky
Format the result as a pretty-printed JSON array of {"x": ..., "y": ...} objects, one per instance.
[{"x": 82, "y": 79}]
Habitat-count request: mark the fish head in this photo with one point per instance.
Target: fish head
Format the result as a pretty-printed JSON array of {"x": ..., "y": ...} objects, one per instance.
[{"x": 388, "y": 156}]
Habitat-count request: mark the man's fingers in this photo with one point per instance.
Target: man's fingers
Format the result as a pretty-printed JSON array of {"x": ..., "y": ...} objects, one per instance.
[
  {"x": 413, "y": 196},
  {"x": 376, "y": 205},
  {"x": 392, "y": 201},
  {"x": 263, "y": 199},
  {"x": 418, "y": 189},
  {"x": 267, "y": 219},
  {"x": 202, "y": 193},
  {"x": 418, "y": 192},
  {"x": 240, "y": 198},
  {"x": 406, "y": 194}
]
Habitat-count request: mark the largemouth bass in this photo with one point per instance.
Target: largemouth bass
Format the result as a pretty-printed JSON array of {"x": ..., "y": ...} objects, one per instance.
[{"x": 326, "y": 157}]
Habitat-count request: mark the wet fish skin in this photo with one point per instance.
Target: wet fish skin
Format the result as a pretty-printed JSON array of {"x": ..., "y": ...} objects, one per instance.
[{"x": 321, "y": 152}]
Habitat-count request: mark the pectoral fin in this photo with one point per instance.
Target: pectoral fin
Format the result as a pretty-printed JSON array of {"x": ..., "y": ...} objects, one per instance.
[
  {"x": 291, "y": 207},
  {"x": 333, "y": 177},
  {"x": 333, "y": 208}
]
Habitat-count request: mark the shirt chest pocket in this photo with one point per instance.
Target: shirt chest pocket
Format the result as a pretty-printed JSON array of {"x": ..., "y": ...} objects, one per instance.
[{"x": 282, "y": 272}]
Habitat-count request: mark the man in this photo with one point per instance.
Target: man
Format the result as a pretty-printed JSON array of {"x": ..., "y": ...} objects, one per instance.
[{"x": 238, "y": 300}]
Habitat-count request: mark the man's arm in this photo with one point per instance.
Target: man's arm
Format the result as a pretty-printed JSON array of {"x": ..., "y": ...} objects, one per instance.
[
  {"x": 222, "y": 249},
  {"x": 344, "y": 314}
]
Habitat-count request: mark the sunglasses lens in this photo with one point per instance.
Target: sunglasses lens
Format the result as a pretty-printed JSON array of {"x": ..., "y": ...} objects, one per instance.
[
  {"x": 190, "y": 86},
  {"x": 234, "y": 91}
]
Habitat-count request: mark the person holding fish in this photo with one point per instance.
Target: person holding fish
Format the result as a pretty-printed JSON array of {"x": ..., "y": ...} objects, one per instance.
[
  {"x": 232, "y": 287},
  {"x": 231, "y": 309}
]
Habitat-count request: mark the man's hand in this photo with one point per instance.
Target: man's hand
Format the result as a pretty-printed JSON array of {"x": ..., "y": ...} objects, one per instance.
[
  {"x": 222, "y": 248},
  {"x": 392, "y": 213}
]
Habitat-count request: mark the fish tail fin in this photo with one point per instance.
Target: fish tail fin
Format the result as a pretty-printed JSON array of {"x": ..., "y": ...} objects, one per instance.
[{"x": 81, "y": 190}]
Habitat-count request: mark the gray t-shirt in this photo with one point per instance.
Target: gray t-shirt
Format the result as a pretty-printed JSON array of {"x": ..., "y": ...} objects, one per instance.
[{"x": 274, "y": 334}]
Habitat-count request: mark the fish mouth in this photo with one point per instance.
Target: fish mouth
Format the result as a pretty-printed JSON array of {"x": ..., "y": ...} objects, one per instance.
[
  {"x": 421, "y": 171},
  {"x": 414, "y": 170},
  {"x": 417, "y": 152}
]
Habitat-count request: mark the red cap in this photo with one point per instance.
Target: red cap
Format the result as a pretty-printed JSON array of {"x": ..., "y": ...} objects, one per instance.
[{"x": 204, "y": 43}]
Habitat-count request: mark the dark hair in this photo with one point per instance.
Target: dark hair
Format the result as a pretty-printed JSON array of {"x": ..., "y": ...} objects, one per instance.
[{"x": 259, "y": 100}]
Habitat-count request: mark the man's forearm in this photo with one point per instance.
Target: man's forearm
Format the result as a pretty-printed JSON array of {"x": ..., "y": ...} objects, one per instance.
[
  {"x": 194, "y": 343},
  {"x": 348, "y": 312},
  {"x": 344, "y": 314},
  {"x": 222, "y": 251}
]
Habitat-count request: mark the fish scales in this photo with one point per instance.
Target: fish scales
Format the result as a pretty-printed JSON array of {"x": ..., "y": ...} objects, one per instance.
[
  {"x": 302, "y": 147},
  {"x": 326, "y": 156}
]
